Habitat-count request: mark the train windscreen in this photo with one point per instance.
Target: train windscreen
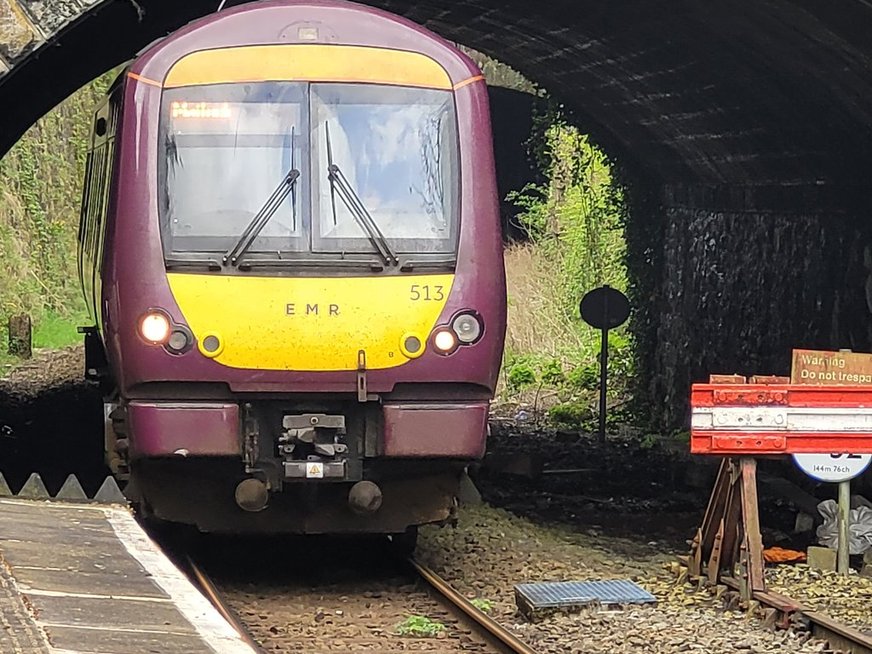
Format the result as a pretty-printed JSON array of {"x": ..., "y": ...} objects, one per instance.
[{"x": 327, "y": 170}]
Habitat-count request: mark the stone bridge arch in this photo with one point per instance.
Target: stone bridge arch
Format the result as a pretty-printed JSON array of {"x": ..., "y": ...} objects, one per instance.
[{"x": 743, "y": 129}]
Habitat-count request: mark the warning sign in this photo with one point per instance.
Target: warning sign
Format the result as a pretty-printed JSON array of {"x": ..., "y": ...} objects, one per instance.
[
  {"x": 314, "y": 470},
  {"x": 831, "y": 368}
]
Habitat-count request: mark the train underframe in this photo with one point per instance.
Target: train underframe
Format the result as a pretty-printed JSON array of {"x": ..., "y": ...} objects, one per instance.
[{"x": 295, "y": 465}]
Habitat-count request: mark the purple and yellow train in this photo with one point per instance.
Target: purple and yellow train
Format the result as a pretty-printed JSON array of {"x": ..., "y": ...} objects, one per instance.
[{"x": 291, "y": 250}]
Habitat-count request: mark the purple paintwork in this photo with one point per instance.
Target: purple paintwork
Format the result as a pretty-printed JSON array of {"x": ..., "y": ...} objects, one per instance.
[
  {"x": 134, "y": 278},
  {"x": 454, "y": 430},
  {"x": 177, "y": 428}
]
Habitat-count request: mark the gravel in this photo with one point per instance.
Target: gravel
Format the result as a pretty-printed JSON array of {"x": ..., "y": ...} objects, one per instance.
[
  {"x": 345, "y": 617},
  {"x": 47, "y": 369},
  {"x": 491, "y": 550},
  {"x": 320, "y": 594}
]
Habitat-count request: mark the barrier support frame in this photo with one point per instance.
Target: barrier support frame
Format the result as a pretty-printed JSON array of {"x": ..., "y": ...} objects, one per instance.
[{"x": 729, "y": 537}]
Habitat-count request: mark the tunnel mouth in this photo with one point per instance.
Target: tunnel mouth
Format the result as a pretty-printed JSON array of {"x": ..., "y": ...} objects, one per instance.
[{"x": 748, "y": 153}]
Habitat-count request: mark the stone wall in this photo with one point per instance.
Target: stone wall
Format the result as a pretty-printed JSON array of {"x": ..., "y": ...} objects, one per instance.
[
  {"x": 27, "y": 24},
  {"x": 734, "y": 292}
]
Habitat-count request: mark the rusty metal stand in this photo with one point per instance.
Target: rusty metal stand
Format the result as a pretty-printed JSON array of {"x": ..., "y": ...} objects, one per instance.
[{"x": 729, "y": 537}]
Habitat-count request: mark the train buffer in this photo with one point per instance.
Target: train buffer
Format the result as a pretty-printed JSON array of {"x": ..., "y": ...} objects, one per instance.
[
  {"x": 743, "y": 420},
  {"x": 82, "y": 578}
]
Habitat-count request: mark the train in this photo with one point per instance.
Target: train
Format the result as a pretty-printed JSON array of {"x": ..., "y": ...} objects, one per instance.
[{"x": 291, "y": 252}]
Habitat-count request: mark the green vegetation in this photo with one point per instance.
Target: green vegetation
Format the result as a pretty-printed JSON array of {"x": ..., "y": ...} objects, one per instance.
[
  {"x": 40, "y": 191},
  {"x": 420, "y": 626},
  {"x": 482, "y": 604},
  {"x": 575, "y": 224},
  {"x": 54, "y": 330}
]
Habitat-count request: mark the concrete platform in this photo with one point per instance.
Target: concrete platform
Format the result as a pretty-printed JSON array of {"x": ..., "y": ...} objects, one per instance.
[{"x": 85, "y": 579}]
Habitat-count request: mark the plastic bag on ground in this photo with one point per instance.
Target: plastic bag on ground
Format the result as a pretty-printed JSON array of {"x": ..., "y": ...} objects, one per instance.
[{"x": 859, "y": 532}]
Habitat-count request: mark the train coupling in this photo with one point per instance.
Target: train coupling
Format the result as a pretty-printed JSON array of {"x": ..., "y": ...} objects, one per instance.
[{"x": 313, "y": 446}]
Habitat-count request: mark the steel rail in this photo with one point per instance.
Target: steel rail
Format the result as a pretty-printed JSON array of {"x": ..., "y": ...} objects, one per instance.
[
  {"x": 214, "y": 596},
  {"x": 839, "y": 636},
  {"x": 498, "y": 635}
]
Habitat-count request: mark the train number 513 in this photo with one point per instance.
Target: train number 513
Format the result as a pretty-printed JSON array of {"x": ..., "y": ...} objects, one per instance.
[{"x": 426, "y": 292}]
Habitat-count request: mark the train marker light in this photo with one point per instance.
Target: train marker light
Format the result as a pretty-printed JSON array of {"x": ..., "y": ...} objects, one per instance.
[
  {"x": 211, "y": 345},
  {"x": 445, "y": 341},
  {"x": 468, "y": 328},
  {"x": 411, "y": 346},
  {"x": 154, "y": 327},
  {"x": 178, "y": 341}
]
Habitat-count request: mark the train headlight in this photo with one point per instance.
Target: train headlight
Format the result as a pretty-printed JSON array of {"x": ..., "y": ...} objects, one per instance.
[
  {"x": 467, "y": 327},
  {"x": 154, "y": 327},
  {"x": 445, "y": 341}
]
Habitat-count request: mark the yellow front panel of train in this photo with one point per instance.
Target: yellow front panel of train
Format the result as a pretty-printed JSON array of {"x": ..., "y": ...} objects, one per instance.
[{"x": 308, "y": 323}]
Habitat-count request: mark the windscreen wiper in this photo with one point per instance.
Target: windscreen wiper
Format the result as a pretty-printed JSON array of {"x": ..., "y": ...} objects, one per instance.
[
  {"x": 351, "y": 200},
  {"x": 178, "y": 262},
  {"x": 261, "y": 218}
]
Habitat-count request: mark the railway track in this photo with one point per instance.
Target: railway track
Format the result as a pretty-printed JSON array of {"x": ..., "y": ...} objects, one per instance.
[
  {"x": 497, "y": 637},
  {"x": 204, "y": 583},
  {"x": 784, "y": 610},
  {"x": 781, "y": 611}
]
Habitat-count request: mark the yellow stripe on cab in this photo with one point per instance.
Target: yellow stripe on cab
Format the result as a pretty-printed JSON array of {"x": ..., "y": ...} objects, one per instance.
[
  {"x": 310, "y": 323},
  {"x": 312, "y": 63}
]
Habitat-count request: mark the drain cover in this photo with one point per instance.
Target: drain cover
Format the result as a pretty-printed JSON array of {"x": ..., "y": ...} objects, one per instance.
[{"x": 568, "y": 594}]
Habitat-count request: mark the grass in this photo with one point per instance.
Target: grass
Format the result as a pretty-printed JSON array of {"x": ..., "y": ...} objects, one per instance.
[
  {"x": 50, "y": 331},
  {"x": 482, "y": 604},
  {"x": 535, "y": 321},
  {"x": 54, "y": 331},
  {"x": 420, "y": 626}
]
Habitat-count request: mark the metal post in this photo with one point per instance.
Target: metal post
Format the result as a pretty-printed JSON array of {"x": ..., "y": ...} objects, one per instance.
[
  {"x": 604, "y": 363},
  {"x": 844, "y": 526}
]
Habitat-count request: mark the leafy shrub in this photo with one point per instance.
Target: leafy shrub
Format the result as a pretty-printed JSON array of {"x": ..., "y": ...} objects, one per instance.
[
  {"x": 520, "y": 376},
  {"x": 585, "y": 377},
  {"x": 648, "y": 441},
  {"x": 570, "y": 415},
  {"x": 552, "y": 373},
  {"x": 40, "y": 194},
  {"x": 574, "y": 220}
]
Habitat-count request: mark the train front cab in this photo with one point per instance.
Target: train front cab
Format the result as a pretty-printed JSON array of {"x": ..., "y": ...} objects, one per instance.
[{"x": 319, "y": 347}]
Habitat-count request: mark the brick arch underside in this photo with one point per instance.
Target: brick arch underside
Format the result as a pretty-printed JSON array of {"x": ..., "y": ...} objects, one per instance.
[{"x": 743, "y": 130}]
